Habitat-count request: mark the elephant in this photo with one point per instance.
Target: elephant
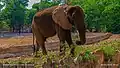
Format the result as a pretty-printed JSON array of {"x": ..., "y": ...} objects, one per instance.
[{"x": 44, "y": 26}]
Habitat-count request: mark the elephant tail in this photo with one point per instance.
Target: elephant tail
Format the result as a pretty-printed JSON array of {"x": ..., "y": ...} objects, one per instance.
[
  {"x": 33, "y": 45},
  {"x": 33, "y": 38}
]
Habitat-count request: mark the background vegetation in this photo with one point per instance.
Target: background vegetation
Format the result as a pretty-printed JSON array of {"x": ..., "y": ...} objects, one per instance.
[{"x": 100, "y": 15}]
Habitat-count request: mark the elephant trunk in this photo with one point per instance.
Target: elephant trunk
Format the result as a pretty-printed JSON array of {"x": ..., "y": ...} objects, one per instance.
[
  {"x": 82, "y": 34},
  {"x": 80, "y": 25},
  {"x": 82, "y": 38}
]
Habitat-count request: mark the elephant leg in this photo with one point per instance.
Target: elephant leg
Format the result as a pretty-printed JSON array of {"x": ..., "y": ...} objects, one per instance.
[
  {"x": 44, "y": 49},
  {"x": 62, "y": 43},
  {"x": 69, "y": 41},
  {"x": 38, "y": 46},
  {"x": 68, "y": 38},
  {"x": 40, "y": 40},
  {"x": 61, "y": 36},
  {"x": 82, "y": 37}
]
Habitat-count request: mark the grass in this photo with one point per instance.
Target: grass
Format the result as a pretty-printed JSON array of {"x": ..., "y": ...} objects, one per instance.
[{"x": 109, "y": 49}]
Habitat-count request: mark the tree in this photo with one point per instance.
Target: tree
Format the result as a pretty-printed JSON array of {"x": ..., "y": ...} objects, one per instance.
[
  {"x": 29, "y": 15},
  {"x": 44, "y": 4},
  {"x": 14, "y": 12}
]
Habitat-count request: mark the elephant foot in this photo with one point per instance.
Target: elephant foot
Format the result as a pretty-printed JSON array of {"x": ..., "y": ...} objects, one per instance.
[
  {"x": 33, "y": 47},
  {"x": 78, "y": 42},
  {"x": 34, "y": 51},
  {"x": 44, "y": 52},
  {"x": 35, "y": 54},
  {"x": 62, "y": 49}
]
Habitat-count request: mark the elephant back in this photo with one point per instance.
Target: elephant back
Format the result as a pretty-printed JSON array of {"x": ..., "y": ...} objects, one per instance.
[
  {"x": 44, "y": 23},
  {"x": 46, "y": 11}
]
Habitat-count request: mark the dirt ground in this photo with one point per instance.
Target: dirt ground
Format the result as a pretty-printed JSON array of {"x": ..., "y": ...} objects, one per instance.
[{"x": 15, "y": 45}]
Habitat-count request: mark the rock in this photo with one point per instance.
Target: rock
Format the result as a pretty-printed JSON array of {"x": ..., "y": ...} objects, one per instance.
[
  {"x": 7, "y": 55},
  {"x": 100, "y": 58},
  {"x": 116, "y": 58}
]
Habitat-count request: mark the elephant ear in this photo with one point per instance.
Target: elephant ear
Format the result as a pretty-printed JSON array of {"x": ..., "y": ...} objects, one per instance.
[
  {"x": 71, "y": 10},
  {"x": 60, "y": 18},
  {"x": 75, "y": 13}
]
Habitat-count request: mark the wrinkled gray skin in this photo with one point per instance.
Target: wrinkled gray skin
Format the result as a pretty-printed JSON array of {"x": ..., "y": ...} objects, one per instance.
[{"x": 43, "y": 27}]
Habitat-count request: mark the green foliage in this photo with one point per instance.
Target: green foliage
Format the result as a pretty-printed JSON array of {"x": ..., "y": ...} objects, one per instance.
[
  {"x": 109, "y": 48},
  {"x": 4, "y": 26},
  {"x": 44, "y": 4},
  {"x": 88, "y": 56},
  {"x": 13, "y": 12},
  {"x": 101, "y": 15},
  {"x": 29, "y": 15},
  {"x": 109, "y": 51},
  {"x": 1, "y": 6}
]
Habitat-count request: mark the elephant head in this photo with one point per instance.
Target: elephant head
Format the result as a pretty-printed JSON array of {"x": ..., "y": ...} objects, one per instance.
[{"x": 76, "y": 16}]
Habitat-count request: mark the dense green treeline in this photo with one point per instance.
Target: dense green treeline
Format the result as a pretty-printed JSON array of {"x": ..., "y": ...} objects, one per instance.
[
  {"x": 13, "y": 13},
  {"x": 100, "y": 15}
]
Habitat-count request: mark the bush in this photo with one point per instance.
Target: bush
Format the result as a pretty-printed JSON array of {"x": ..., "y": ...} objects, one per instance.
[{"x": 4, "y": 26}]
